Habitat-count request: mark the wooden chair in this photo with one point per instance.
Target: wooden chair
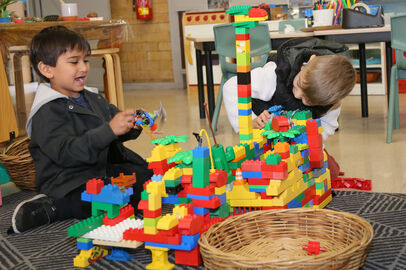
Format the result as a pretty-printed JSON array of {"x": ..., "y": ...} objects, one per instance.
[{"x": 113, "y": 90}]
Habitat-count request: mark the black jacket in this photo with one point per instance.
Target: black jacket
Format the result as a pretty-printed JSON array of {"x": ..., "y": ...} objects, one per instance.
[
  {"x": 71, "y": 144},
  {"x": 289, "y": 59}
]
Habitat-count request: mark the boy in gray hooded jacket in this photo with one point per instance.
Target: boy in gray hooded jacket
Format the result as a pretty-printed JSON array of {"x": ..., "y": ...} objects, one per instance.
[{"x": 75, "y": 134}]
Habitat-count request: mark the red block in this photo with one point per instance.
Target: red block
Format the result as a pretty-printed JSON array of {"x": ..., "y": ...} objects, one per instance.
[
  {"x": 253, "y": 165},
  {"x": 265, "y": 197},
  {"x": 160, "y": 167},
  {"x": 125, "y": 213},
  {"x": 191, "y": 224},
  {"x": 192, "y": 258},
  {"x": 219, "y": 178},
  {"x": 312, "y": 127},
  {"x": 160, "y": 237},
  {"x": 267, "y": 147},
  {"x": 316, "y": 154},
  {"x": 281, "y": 167},
  {"x": 244, "y": 90},
  {"x": 186, "y": 179},
  {"x": 94, "y": 186},
  {"x": 242, "y": 36},
  {"x": 319, "y": 199},
  {"x": 254, "y": 181},
  {"x": 211, "y": 204},
  {"x": 206, "y": 191},
  {"x": 152, "y": 214},
  {"x": 280, "y": 123}
]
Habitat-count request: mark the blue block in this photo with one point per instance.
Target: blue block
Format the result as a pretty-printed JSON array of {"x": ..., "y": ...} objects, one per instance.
[
  {"x": 244, "y": 112},
  {"x": 84, "y": 246},
  {"x": 304, "y": 167},
  {"x": 200, "y": 197},
  {"x": 86, "y": 196},
  {"x": 201, "y": 152},
  {"x": 157, "y": 177},
  {"x": 252, "y": 174},
  {"x": 304, "y": 153},
  {"x": 223, "y": 198},
  {"x": 256, "y": 146},
  {"x": 188, "y": 243},
  {"x": 171, "y": 199},
  {"x": 119, "y": 255},
  {"x": 111, "y": 194},
  {"x": 257, "y": 189},
  {"x": 200, "y": 210}
]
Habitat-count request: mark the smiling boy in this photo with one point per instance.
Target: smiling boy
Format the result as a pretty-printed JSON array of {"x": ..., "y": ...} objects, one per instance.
[{"x": 75, "y": 134}]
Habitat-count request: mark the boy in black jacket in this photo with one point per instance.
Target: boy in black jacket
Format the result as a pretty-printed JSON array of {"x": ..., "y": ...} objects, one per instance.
[{"x": 75, "y": 134}]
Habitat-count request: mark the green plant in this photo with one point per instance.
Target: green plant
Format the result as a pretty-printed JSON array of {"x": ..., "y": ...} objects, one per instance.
[{"x": 3, "y": 7}]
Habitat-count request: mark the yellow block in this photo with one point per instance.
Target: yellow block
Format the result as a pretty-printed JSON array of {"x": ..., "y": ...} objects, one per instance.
[
  {"x": 242, "y": 46},
  {"x": 180, "y": 210},
  {"x": 159, "y": 259},
  {"x": 154, "y": 201},
  {"x": 324, "y": 203},
  {"x": 220, "y": 190},
  {"x": 241, "y": 192},
  {"x": 172, "y": 174},
  {"x": 187, "y": 171},
  {"x": 276, "y": 187},
  {"x": 244, "y": 106},
  {"x": 158, "y": 188},
  {"x": 82, "y": 260},
  {"x": 167, "y": 222},
  {"x": 150, "y": 230}
]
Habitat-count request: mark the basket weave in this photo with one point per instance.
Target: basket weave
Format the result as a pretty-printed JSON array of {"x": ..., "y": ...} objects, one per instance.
[
  {"x": 273, "y": 239},
  {"x": 19, "y": 163}
]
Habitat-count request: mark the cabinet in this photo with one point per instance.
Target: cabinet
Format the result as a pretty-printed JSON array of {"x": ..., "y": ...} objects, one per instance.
[{"x": 375, "y": 58}]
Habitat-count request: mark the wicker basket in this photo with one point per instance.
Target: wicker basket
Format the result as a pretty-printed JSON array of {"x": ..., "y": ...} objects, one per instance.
[
  {"x": 19, "y": 163},
  {"x": 273, "y": 239}
]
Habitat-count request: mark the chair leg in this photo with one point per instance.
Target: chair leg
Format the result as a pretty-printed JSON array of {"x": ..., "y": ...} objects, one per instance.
[
  {"x": 397, "y": 124},
  {"x": 112, "y": 93},
  {"x": 391, "y": 109},
  {"x": 119, "y": 81},
  {"x": 216, "y": 112}
]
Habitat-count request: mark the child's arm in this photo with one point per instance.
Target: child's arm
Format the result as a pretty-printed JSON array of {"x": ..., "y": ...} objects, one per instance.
[
  {"x": 329, "y": 121},
  {"x": 263, "y": 85}
]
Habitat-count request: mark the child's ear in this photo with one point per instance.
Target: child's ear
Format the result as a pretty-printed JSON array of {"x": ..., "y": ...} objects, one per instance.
[{"x": 45, "y": 70}]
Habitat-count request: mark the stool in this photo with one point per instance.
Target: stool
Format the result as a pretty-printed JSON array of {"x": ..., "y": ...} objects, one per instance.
[
  {"x": 114, "y": 88},
  {"x": 18, "y": 52}
]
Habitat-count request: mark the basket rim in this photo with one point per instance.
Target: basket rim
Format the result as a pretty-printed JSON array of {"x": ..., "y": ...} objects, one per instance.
[{"x": 348, "y": 250}]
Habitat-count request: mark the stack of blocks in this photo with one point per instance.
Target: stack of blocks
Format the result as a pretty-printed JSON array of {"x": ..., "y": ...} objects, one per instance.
[{"x": 282, "y": 167}]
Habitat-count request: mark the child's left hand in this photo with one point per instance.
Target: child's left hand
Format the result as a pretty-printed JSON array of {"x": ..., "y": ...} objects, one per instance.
[{"x": 259, "y": 122}]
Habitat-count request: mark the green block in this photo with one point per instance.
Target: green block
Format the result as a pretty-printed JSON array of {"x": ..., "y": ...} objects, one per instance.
[
  {"x": 300, "y": 197},
  {"x": 219, "y": 157},
  {"x": 183, "y": 165},
  {"x": 250, "y": 153},
  {"x": 85, "y": 226},
  {"x": 241, "y": 30},
  {"x": 247, "y": 25},
  {"x": 113, "y": 210},
  {"x": 231, "y": 177},
  {"x": 4, "y": 177},
  {"x": 293, "y": 149},
  {"x": 151, "y": 222},
  {"x": 239, "y": 10},
  {"x": 201, "y": 170},
  {"x": 273, "y": 159},
  {"x": 172, "y": 183},
  {"x": 245, "y": 137},
  {"x": 144, "y": 195},
  {"x": 306, "y": 177},
  {"x": 319, "y": 185},
  {"x": 258, "y": 186},
  {"x": 244, "y": 100},
  {"x": 223, "y": 211},
  {"x": 230, "y": 155},
  {"x": 243, "y": 59},
  {"x": 303, "y": 115},
  {"x": 83, "y": 240},
  {"x": 234, "y": 165},
  {"x": 184, "y": 200}
]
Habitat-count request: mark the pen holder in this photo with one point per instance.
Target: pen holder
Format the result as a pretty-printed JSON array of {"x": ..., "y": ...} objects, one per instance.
[{"x": 356, "y": 19}]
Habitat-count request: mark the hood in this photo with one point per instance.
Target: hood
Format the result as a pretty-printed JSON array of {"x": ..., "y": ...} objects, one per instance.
[{"x": 44, "y": 95}]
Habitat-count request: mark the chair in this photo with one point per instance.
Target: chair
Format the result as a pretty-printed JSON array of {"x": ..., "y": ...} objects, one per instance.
[
  {"x": 114, "y": 87},
  {"x": 297, "y": 24},
  {"x": 224, "y": 39},
  {"x": 398, "y": 39}
]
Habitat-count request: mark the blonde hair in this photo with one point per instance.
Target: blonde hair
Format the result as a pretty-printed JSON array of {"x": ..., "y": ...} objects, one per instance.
[{"x": 327, "y": 79}]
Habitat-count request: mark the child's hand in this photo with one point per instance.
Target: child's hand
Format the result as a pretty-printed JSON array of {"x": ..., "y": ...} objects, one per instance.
[
  {"x": 260, "y": 121},
  {"x": 123, "y": 122}
]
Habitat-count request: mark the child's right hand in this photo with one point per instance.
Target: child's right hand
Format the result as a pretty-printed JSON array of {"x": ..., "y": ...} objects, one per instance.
[
  {"x": 123, "y": 122},
  {"x": 259, "y": 122}
]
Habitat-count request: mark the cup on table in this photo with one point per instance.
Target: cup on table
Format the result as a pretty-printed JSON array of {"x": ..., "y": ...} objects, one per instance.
[
  {"x": 69, "y": 11},
  {"x": 323, "y": 17}
]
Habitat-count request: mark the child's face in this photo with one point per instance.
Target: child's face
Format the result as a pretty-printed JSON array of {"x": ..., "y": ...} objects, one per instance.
[
  {"x": 297, "y": 89},
  {"x": 70, "y": 73}
]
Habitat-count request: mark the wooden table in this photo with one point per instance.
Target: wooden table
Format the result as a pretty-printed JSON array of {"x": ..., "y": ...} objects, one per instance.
[
  {"x": 358, "y": 36},
  {"x": 108, "y": 33}
]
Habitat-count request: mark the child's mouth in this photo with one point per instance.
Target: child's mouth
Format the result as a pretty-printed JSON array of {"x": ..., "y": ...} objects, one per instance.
[{"x": 80, "y": 80}]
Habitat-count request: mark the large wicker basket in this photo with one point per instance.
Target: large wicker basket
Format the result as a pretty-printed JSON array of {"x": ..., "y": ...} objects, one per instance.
[
  {"x": 19, "y": 163},
  {"x": 273, "y": 239}
]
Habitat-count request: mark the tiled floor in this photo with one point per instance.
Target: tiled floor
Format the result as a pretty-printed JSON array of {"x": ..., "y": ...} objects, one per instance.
[{"x": 359, "y": 146}]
